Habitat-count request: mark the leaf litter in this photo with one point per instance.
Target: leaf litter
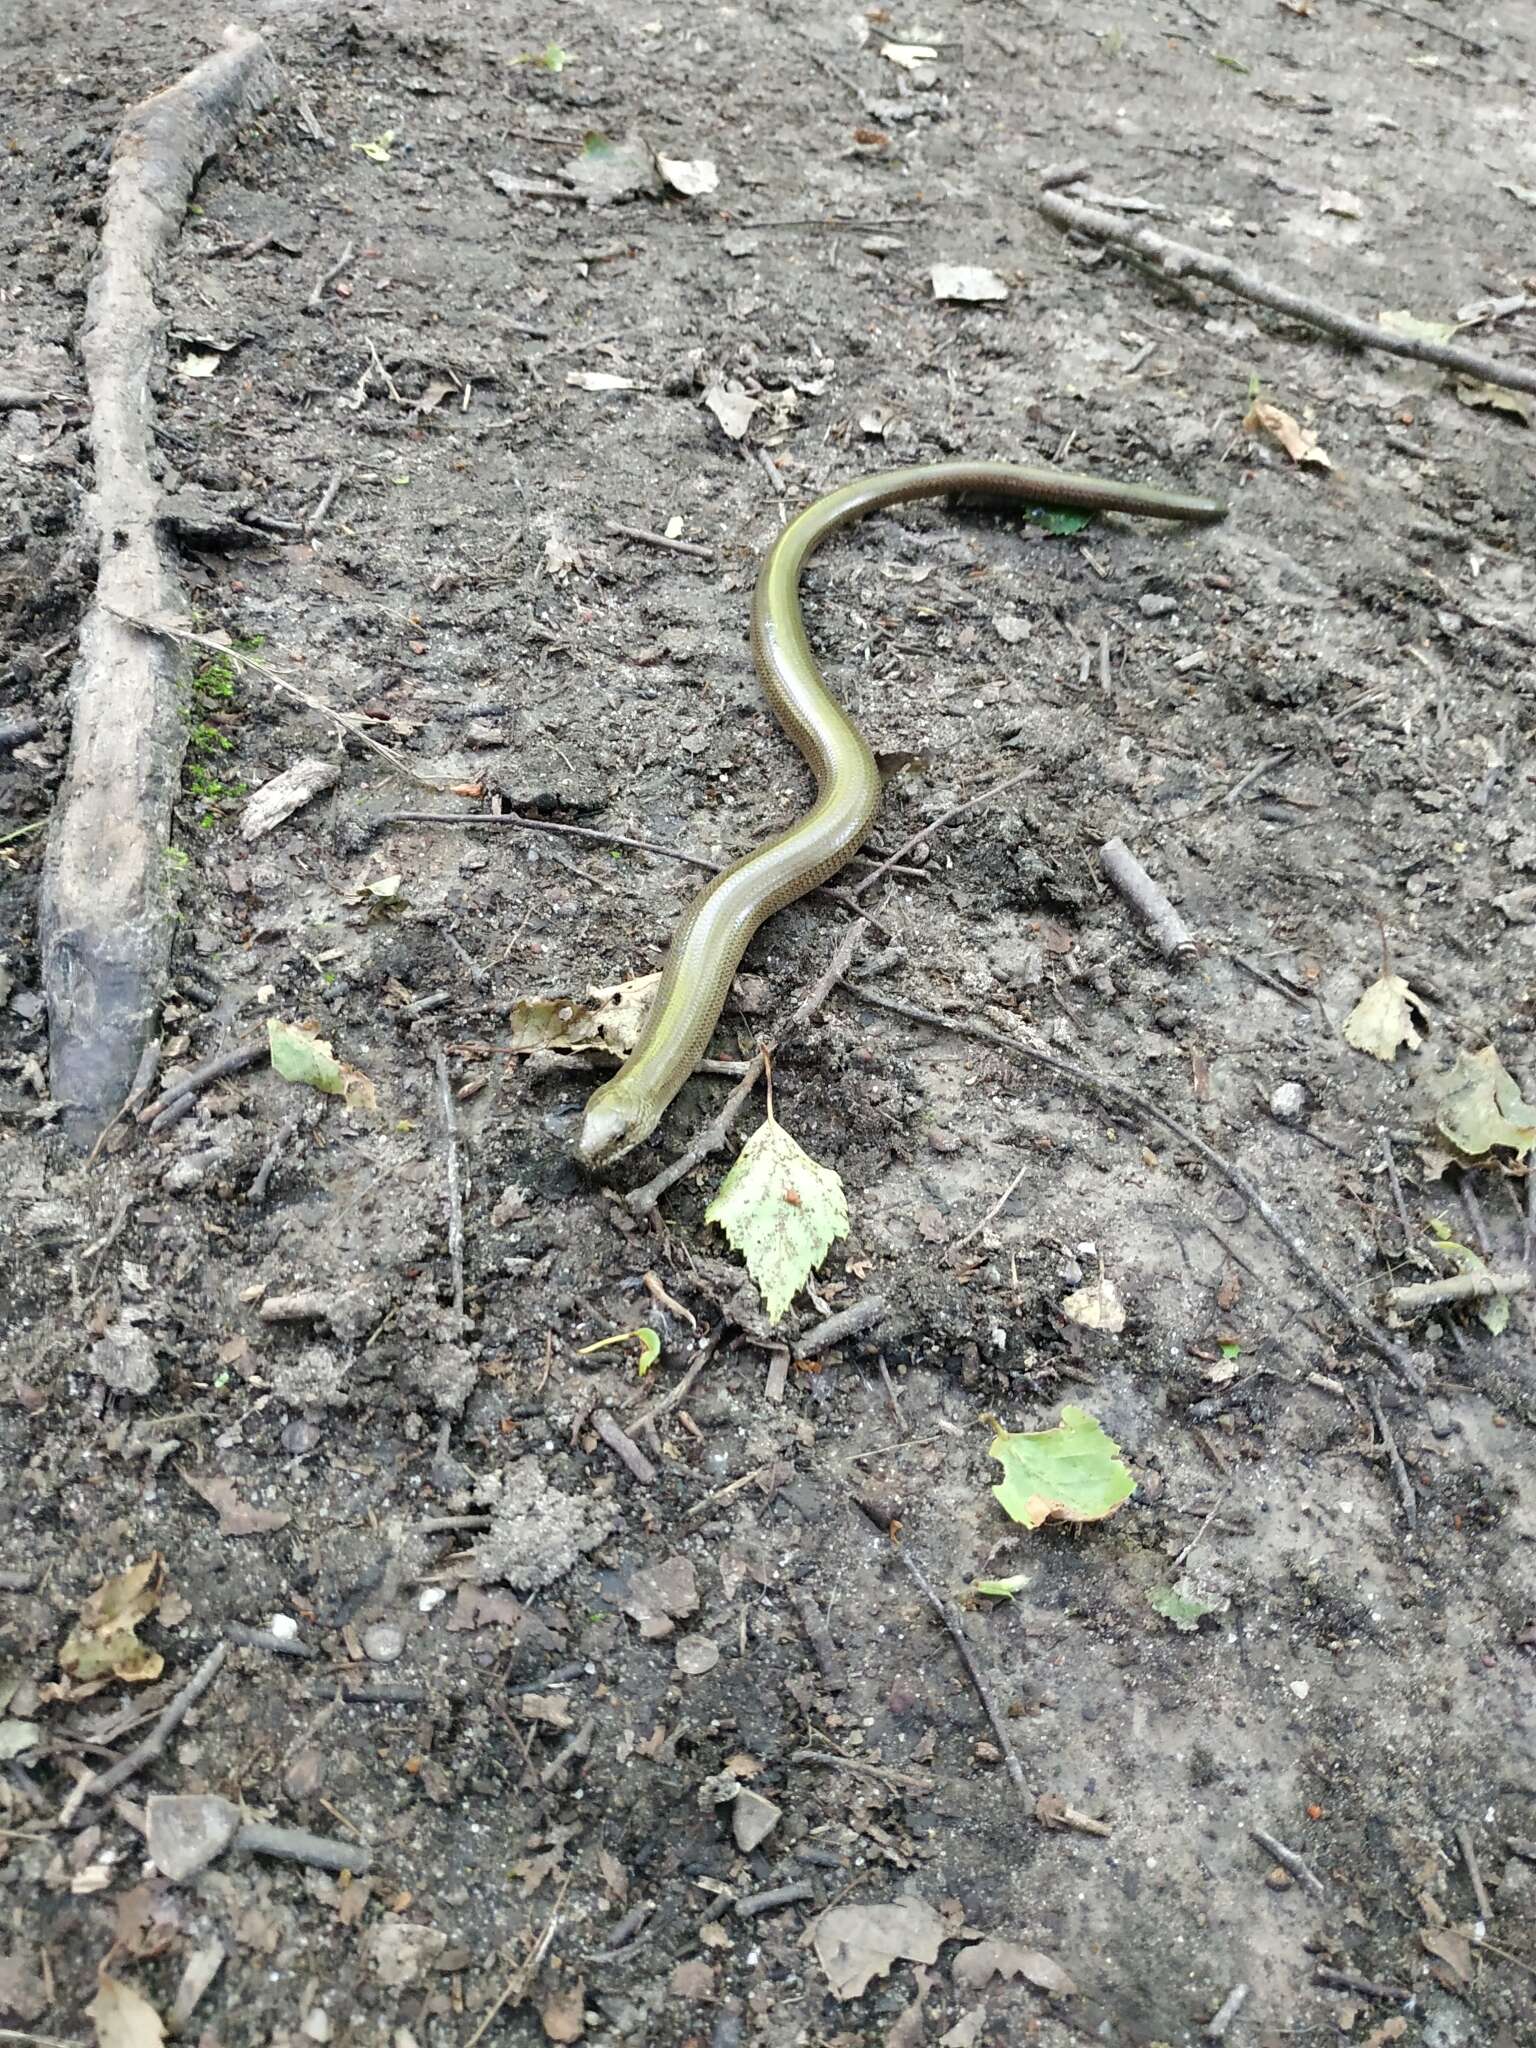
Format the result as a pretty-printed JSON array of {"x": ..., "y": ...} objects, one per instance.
[
  {"x": 1072, "y": 1473},
  {"x": 1383, "y": 1020},
  {"x": 781, "y": 1210}
]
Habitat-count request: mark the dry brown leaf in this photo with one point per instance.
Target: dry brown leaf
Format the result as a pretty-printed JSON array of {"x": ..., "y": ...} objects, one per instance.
[
  {"x": 857, "y": 1943},
  {"x": 123, "y": 2017},
  {"x": 563, "y": 2014},
  {"x": 1383, "y": 1019},
  {"x": 103, "y": 1642},
  {"x": 1299, "y": 442},
  {"x": 235, "y": 1517},
  {"x": 974, "y": 1968}
]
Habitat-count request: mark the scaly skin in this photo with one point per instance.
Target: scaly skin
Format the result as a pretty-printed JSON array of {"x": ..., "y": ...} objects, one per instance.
[{"x": 722, "y": 918}]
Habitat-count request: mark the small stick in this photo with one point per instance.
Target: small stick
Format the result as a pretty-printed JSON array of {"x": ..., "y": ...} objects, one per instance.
[
  {"x": 517, "y": 1984},
  {"x": 324, "y": 503},
  {"x": 885, "y": 1773},
  {"x": 848, "y": 1322},
  {"x": 890, "y": 1390},
  {"x": 315, "y": 302},
  {"x": 1425, "y": 1295},
  {"x": 1170, "y": 934},
  {"x": 256, "y": 1193},
  {"x": 1177, "y": 260},
  {"x": 295, "y": 1845},
  {"x": 660, "y": 540},
  {"x": 1245, "y": 782},
  {"x": 1296, "y": 1865},
  {"x": 1056, "y": 175},
  {"x": 950, "y": 1617},
  {"x": 782, "y": 1895},
  {"x": 620, "y": 1936},
  {"x": 1404, "y": 1484},
  {"x": 263, "y": 1639},
  {"x": 1468, "y": 1850},
  {"x": 642, "y": 1200},
  {"x": 974, "y": 803},
  {"x": 977, "y": 1228},
  {"x": 1366, "y": 1987},
  {"x": 217, "y": 1069},
  {"x": 1111, "y": 1090},
  {"x": 624, "y": 1447},
  {"x": 1472, "y": 47},
  {"x": 1395, "y": 1182},
  {"x": 828, "y": 1657},
  {"x": 101, "y": 1783},
  {"x": 1219, "y": 2021},
  {"x": 455, "y": 1193},
  {"x": 1475, "y": 1217}
]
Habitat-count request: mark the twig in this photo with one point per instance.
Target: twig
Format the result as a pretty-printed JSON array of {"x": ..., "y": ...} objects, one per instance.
[
  {"x": 296, "y": 1845},
  {"x": 1288, "y": 1858},
  {"x": 624, "y": 1447},
  {"x": 660, "y": 540},
  {"x": 517, "y": 1984},
  {"x": 1468, "y": 1850},
  {"x": 642, "y": 1200},
  {"x": 949, "y": 1615},
  {"x": 1425, "y": 1295},
  {"x": 1468, "y": 43},
  {"x": 828, "y": 1657},
  {"x": 454, "y": 1191},
  {"x": 766, "y": 1902},
  {"x": 973, "y": 803},
  {"x": 1170, "y": 934},
  {"x": 1177, "y": 260},
  {"x": 1244, "y": 783},
  {"x": 324, "y": 503},
  {"x": 256, "y": 1193},
  {"x": 1404, "y": 1484},
  {"x": 103, "y": 1782},
  {"x": 275, "y": 1646},
  {"x": 1222, "y": 2018},
  {"x": 1366, "y": 1987},
  {"x": 179, "y": 1097},
  {"x": 886, "y": 1774},
  {"x": 848, "y": 1322},
  {"x": 1394, "y": 1180},
  {"x": 1107, "y": 1089},
  {"x": 996, "y": 1208},
  {"x": 315, "y": 302}
]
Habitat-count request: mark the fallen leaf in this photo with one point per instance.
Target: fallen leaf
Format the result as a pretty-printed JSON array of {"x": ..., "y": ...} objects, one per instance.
[
  {"x": 1072, "y": 1473},
  {"x": 1482, "y": 1111},
  {"x": 855, "y": 1944},
  {"x": 1058, "y": 518},
  {"x": 1473, "y": 391},
  {"x": 607, "y": 170},
  {"x": 966, "y": 2031},
  {"x": 599, "y": 380},
  {"x": 693, "y": 1980},
  {"x": 1299, "y": 442},
  {"x": 910, "y": 56},
  {"x": 1096, "y": 1307},
  {"x": 103, "y": 1642},
  {"x": 551, "y": 58},
  {"x": 658, "y": 1595},
  {"x": 563, "y": 2013},
  {"x": 402, "y": 1951},
  {"x": 299, "y": 1055},
  {"x": 1389, "y": 2031},
  {"x": 1383, "y": 1019},
  {"x": 609, "y": 1017},
  {"x": 732, "y": 407},
  {"x": 1182, "y": 1606},
  {"x": 552, "y": 1708},
  {"x": 689, "y": 175},
  {"x": 781, "y": 1210},
  {"x": 1412, "y": 328},
  {"x": 1001, "y": 1589},
  {"x": 1451, "y": 1946},
  {"x": 645, "y": 1340},
  {"x": 123, "y": 2017},
  {"x": 198, "y": 366},
  {"x": 974, "y": 1968},
  {"x": 235, "y": 1518},
  {"x": 377, "y": 150},
  {"x": 966, "y": 283}
]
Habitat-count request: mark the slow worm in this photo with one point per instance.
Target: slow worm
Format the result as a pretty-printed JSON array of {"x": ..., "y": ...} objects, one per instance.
[{"x": 720, "y": 921}]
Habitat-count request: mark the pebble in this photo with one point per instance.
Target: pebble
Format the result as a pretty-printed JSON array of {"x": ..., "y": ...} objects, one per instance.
[
  {"x": 1288, "y": 1103},
  {"x": 1156, "y": 604},
  {"x": 383, "y": 1643},
  {"x": 284, "y": 1628}
]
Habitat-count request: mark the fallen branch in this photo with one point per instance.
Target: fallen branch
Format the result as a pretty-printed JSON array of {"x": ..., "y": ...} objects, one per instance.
[
  {"x": 1425, "y": 1295},
  {"x": 105, "y": 913},
  {"x": 1109, "y": 1090},
  {"x": 1177, "y": 260}
]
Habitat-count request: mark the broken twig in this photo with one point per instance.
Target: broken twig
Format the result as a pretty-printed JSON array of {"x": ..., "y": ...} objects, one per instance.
[{"x": 1170, "y": 934}]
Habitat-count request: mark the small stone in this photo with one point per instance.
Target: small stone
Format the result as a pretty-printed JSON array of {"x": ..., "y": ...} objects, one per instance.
[
  {"x": 753, "y": 1819},
  {"x": 1156, "y": 604},
  {"x": 305, "y": 1775},
  {"x": 696, "y": 1655},
  {"x": 987, "y": 1753},
  {"x": 284, "y": 1627},
  {"x": 300, "y": 1437},
  {"x": 1288, "y": 1102},
  {"x": 943, "y": 1142},
  {"x": 317, "y": 2024},
  {"x": 383, "y": 1643},
  {"x": 1279, "y": 1879},
  {"x": 182, "y": 1176},
  {"x": 184, "y": 1833}
]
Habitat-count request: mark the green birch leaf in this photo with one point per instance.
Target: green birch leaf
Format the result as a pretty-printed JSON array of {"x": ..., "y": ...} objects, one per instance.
[
  {"x": 1072, "y": 1473},
  {"x": 781, "y": 1211},
  {"x": 1482, "y": 1111}
]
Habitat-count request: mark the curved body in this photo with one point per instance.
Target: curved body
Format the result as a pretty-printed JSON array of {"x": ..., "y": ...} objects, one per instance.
[{"x": 722, "y": 918}]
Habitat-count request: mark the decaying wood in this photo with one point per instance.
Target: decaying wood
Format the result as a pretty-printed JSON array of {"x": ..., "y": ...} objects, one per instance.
[{"x": 106, "y": 909}]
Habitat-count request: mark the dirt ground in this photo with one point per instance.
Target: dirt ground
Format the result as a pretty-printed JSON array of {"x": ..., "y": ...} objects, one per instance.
[{"x": 462, "y": 1631}]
